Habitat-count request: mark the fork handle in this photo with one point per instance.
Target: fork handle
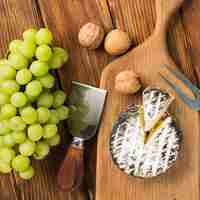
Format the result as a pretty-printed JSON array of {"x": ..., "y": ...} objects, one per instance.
[
  {"x": 71, "y": 173},
  {"x": 165, "y": 9}
]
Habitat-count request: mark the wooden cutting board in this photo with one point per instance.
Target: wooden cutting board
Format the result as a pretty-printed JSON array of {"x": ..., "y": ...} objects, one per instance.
[{"x": 182, "y": 181}]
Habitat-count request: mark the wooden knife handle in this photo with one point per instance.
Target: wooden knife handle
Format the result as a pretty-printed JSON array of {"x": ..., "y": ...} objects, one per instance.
[
  {"x": 71, "y": 172},
  {"x": 165, "y": 9}
]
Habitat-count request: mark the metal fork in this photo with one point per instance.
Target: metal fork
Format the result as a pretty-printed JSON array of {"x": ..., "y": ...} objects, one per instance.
[{"x": 192, "y": 103}]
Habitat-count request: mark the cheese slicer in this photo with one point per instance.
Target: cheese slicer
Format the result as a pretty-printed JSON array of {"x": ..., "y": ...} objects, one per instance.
[
  {"x": 87, "y": 103},
  {"x": 191, "y": 102}
]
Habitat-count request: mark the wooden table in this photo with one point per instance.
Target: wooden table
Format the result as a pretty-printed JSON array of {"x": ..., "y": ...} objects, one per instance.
[{"x": 64, "y": 18}]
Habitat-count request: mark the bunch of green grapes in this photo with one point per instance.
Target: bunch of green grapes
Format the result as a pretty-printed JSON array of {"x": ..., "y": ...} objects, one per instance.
[{"x": 30, "y": 106}]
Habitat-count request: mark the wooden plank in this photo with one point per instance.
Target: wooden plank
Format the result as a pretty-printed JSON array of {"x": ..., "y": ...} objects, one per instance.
[
  {"x": 65, "y": 19},
  {"x": 135, "y": 17},
  {"x": 8, "y": 187},
  {"x": 132, "y": 16},
  {"x": 190, "y": 14},
  {"x": 16, "y": 16}
]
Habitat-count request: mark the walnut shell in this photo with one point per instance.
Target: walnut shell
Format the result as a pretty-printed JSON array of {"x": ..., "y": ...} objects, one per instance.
[
  {"x": 127, "y": 82},
  {"x": 91, "y": 35},
  {"x": 117, "y": 42}
]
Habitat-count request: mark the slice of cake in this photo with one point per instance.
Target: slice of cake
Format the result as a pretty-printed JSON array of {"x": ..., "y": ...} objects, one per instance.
[{"x": 155, "y": 104}]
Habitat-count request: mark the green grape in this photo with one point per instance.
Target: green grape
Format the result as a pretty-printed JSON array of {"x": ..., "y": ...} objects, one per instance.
[
  {"x": 8, "y": 140},
  {"x": 33, "y": 88},
  {"x": 6, "y": 154},
  {"x": 72, "y": 110},
  {"x": 20, "y": 163},
  {"x": 27, "y": 148},
  {"x": 17, "y": 124},
  {"x": 1, "y": 90},
  {"x": 27, "y": 48},
  {"x": 1, "y": 81},
  {"x": 5, "y": 167},
  {"x": 29, "y": 115},
  {"x": 19, "y": 136},
  {"x": 59, "y": 57},
  {"x": 55, "y": 62},
  {"x": 59, "y": 98},
  {"x": 8, "y": 111},
  {"x": 23, "y": 76},
  {"x": 63, "y": 53},
  {"x": 54, "y": 141},
  {"x": 39, "y": 68},
  {"x": 9, "y": 87},
  {"x": 35, "y": 132},
  {"x": 54, "y": 117},
  {"x": 30, "y": 35},
  {"x": 44, "y": 36},
  {"x": 47, "y": 81},
  {"x": 76, "y": 125},
  {"x": 7, "y": 72},
  {"x": 31, "y": 99},
  {"x": 4, "y": 62},
  {"x": 45, "y": 100},
  {"x": 50, "y": 130},
  {"x": 18, "y": 99},
  {"x": 63, "y": 112},
  {"x": 18, "y": 61},
  {"x": 4, "y": 127},
  {"x": 43, "y": 114},
  {"x": 41, "y": 151},
  {"x": 22, "y": 108},
  {"x": 14, "y": 46},
  {"x": 1, "y": 142},
  {"x": 43, "y": 52},
  {"x": 27, "y": 174},
  {"x": 4, "y": 99}
]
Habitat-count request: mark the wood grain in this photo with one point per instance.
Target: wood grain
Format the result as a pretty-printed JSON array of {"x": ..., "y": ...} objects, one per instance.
[
  {"x": 146, "y": 60},
  {"x": 84, "y": 65},
  {"x": 16, "y": 17},
  {"x": 190, "y": 15},
  {"x": 65, "y": 18}
]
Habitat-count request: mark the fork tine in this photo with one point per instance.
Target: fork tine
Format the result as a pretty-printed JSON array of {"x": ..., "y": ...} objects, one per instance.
[
  {"x": 183, "y": 79},
  {"x": 194, "y": 104}
]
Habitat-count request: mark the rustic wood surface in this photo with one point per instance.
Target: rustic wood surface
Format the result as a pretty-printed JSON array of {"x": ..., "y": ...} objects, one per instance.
[
  {"x": 146, "y": 60},
  {"x": 65, "y": 18}
]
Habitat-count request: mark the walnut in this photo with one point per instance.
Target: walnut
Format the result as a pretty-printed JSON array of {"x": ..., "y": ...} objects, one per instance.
[
  {"x": 91, "y": 35},
  {"x": 117, "y": 42},
  {"x": 127, "y": 82}
]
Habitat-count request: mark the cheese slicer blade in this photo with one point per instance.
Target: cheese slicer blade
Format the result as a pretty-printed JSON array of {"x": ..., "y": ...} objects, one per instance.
[{"x": 86, "y": 103}]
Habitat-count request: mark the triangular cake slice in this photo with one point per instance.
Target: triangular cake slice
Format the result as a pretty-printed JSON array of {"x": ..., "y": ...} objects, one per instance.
[{"x": 155, "y": 103}]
